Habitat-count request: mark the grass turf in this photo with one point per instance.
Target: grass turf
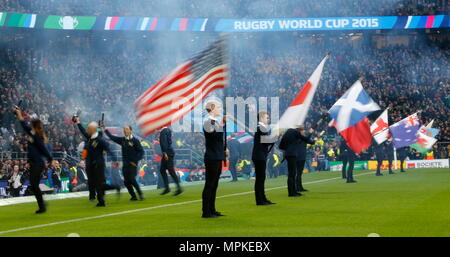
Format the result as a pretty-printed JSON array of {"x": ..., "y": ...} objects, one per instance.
[{"x": 415, "y": 203}]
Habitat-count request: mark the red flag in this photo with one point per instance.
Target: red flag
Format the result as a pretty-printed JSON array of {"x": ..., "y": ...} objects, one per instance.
[
  {"x": 297, "y": 111},
  {"x": 358, "y": 137}
]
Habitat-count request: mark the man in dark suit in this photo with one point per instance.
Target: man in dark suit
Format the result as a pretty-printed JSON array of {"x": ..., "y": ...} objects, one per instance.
[
  {"x": 348, "y": 157},
  {"x": 167, "y": 162},
  {"x": 234, "y": 149},
  {"x": 95, "y": 148},
  {"x": 301, "y": 157},
  {"x": 290, "y": 145},
  {"x": 215, "y": 153},
  {"x": 262, "y": 145},
  {"x": 132, "y": 153},
  {"x": 389, "y": 149}
]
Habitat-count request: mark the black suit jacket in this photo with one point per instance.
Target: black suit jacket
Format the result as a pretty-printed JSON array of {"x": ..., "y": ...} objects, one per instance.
[
  {"x": 37, "y": 151},
  {"x": 96, "y": 148},
  {"x": 165, "y": 141},
  {"x": 260, "y": 150},
  {"x": 132, "y": 150},
  {"x": 345, "y": 150},
  {"x": 293, "y": 143},
  {"x": 214, "y": 141},
  {"x": 301, "y": 147}
]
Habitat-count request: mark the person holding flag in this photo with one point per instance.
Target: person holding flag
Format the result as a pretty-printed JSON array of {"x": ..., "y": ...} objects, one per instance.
[
  {"x": 177, "y": 94},
  {"x": 348, "y": 158},
  {"x": 389, "y": 150},
  {"x": 349, "y": 116},
  {"x": 290, "y": 144},
  {"x": 292, "y": 123},
  {"x": 380, "y": 132},
  {"x": 379, "y": 154},
  {"x": 262, "y": 146}
]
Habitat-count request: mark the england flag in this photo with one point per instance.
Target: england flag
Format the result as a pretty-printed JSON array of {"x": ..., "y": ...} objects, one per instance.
[{"x": 380, "y": 128}]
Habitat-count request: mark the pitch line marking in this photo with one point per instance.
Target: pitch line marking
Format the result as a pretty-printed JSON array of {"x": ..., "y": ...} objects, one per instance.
[{"x": 159, "y": 206}]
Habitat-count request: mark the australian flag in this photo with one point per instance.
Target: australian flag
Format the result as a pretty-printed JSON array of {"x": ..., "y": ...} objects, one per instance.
[{"x": 404, "y": 132}]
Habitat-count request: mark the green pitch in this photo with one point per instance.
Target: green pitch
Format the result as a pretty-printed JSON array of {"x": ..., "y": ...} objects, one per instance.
[{"x": 415, "y": 203}]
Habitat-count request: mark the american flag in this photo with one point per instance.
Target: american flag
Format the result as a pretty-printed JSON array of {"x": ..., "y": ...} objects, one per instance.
[{"x": 182, "y": 89}]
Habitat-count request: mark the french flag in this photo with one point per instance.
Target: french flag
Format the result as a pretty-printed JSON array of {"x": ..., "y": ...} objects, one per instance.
[
  {"x": 296, "y": 113},
  {"x": 349, "y": 116}
]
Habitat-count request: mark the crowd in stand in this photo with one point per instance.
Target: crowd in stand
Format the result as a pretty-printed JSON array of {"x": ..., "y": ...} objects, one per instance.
[
  {"x": 97, "y": 75},
  {"x": 228, "y": 9}
]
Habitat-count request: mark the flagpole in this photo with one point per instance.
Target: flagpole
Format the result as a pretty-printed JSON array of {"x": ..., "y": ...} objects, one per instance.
[
  {"x": 395, "y": 158},
  {"x": 223, "y": 37}
]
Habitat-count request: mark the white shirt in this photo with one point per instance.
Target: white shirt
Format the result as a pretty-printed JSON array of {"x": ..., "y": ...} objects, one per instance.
[{"x": 94, "y": 136}]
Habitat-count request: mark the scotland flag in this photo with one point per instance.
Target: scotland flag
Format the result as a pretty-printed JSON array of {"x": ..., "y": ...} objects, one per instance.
[
  {"x": 352, "y": 107},
  {"x": 404, "y": 132},
  {"x": 349, "y": 115}
]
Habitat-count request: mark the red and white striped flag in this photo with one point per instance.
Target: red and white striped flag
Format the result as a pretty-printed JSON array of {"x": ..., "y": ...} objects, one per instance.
[
  {"x": 296, "y": 112},
  {"x": 181, "y": 90}
]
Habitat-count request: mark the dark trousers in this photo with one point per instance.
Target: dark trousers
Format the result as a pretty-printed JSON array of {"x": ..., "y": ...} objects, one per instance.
[
  {"x": 90, "y": 182},
  {"x": 232, "y": 163},
  {"x": 379, "y": 162},
  {"x": 390, "y": 165},
  {"x": 300, "y": 167},
  {"x": 292, "y": 171},
  {"x": 350, "y": 160},
  {"x": 97, "y": 172},
  {"x": 213, "y": 169},
  {"x": 260, "y": 178},
  {"x": 129, "y": 172},
  {"x": 344, "y": 167},
  {"x": 15, "y": 192},
  {"x": 167, "y": 165},
  {"x": 35, "y": 177},
  {"x": 402, "y": 161}
]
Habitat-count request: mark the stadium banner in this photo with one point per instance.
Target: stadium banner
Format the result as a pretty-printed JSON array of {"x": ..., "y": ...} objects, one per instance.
[
  {"x": 69, "y": 22},
  {"x": 359, "y": 165},
  {"x": 2, "y": 18},
  {"x": 21, "y": 20},
  {"x": 3, "y": 188},
  {"x": 222, "y": 25},
  {"x": 385, "y": 165},
  {"x": 65, "y": 181},
  {"x": 437, "y": 163}
]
